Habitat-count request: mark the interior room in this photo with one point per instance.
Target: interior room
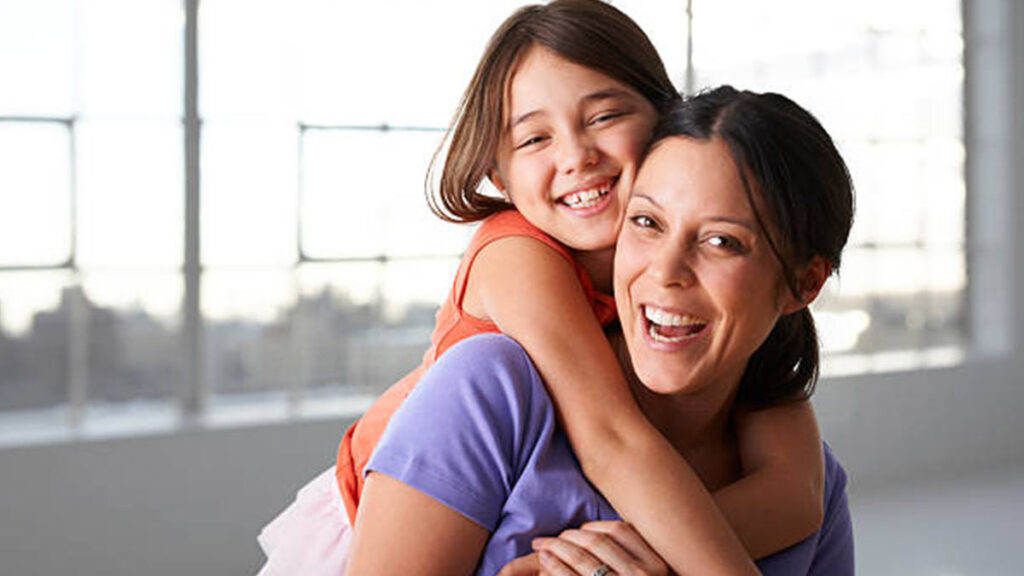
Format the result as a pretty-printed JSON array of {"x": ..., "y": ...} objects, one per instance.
[{"x": 216, "y": 252}]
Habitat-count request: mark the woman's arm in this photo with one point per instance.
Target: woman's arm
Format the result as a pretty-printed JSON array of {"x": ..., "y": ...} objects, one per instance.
[
  {"x": 534, "y": 296},
  {"x": 400, "y": 530},
  {"x": 781, "y": 455}
]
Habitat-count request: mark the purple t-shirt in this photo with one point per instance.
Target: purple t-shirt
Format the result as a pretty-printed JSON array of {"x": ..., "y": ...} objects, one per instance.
[{"x": 479, "y": 434}]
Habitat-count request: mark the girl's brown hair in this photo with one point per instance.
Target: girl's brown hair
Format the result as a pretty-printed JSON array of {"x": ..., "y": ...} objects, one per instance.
[{"x": 590, "y": 33}]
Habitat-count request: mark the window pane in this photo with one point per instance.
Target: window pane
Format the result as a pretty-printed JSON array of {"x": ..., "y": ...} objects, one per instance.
[
  {"x": 364, "y": 326},
  {"x": 131, "y": 195},
  {"x": 248, "y": 333},
  {"x": 131, "y": 58},
  {"x": 35, "y": 324},
  {"x": 417, "y": 69},
  {"x": 37, "y": 55},
  {"x": 35, "y": 194},
  {"x": 244, "y": 68},
  {"x": 363, "y": 196},
  {"x": 249, "y": 183},
  {"x": 134, "y": 346}
]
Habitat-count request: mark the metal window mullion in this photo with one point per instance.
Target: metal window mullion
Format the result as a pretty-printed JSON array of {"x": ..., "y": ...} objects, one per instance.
[
  {"x": 690, "y": 80},
  {"x": 194, "y": 393},
  {"x": 78, "y": 311}
]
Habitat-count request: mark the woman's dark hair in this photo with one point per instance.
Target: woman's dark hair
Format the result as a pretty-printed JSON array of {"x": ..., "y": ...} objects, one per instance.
[
  {"x": 590, "y": 33},
  {"x": 784, "y": 155}
]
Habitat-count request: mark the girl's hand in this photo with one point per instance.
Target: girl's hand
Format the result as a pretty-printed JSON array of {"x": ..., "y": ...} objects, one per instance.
[{"x": 584, "y": 551}]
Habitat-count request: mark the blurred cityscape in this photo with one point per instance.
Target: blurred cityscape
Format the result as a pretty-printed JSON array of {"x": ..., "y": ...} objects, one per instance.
[{"x": 324, "y": 340}]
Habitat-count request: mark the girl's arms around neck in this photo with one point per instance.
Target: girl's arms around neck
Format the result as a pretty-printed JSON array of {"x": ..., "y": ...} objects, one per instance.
[{"x": 534, "y": 296}]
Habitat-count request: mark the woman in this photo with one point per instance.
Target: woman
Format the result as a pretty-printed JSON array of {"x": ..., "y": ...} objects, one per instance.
[{"x": 737, "y": 217}]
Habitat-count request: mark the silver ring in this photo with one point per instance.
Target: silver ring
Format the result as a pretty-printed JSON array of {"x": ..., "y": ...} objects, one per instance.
[{"x": 602, "y": 570}]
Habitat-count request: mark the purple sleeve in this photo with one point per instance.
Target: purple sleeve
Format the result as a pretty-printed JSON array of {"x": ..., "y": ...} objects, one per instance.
[
  {"x": 834, "y": 553},
  {"x": 460, "y": 435}
]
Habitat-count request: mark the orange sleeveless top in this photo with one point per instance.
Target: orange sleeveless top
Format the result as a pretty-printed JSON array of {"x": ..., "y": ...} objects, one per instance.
[{"x": 452, "y": 325}]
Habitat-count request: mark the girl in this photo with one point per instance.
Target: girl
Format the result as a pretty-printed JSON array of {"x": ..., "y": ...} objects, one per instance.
[{"x": 557, "y": 117}]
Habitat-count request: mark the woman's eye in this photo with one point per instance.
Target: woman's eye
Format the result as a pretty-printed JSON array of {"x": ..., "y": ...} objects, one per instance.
[
  {"x": 725, "y": 242},
  {"x": 642, "y": 221}
]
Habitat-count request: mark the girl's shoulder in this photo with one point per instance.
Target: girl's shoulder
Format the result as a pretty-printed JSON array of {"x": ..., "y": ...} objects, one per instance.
[{"x": 510, "y": 223}]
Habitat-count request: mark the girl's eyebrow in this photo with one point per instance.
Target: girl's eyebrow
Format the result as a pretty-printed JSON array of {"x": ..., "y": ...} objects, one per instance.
[{"x": 604, "y": 94}]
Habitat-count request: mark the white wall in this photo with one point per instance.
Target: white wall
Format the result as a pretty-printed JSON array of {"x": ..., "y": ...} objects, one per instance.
[{"x": 192, "y": 502}]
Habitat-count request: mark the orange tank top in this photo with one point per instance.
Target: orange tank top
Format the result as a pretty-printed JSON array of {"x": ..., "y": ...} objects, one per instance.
[{"x": 452, "y": 326}]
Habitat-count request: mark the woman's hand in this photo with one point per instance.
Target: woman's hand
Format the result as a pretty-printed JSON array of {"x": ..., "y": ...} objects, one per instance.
[
  {"x": 598, "y": 548},
  {"x": 528, "y": 565}
]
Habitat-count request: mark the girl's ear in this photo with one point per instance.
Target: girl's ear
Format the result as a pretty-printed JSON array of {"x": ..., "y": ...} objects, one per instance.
[
  {"x": 495, "y": 177},
  {"x": 809, "y": 280}
]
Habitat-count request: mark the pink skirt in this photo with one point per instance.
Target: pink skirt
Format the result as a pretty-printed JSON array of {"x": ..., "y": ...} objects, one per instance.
[{"x": 311, "y": 536}]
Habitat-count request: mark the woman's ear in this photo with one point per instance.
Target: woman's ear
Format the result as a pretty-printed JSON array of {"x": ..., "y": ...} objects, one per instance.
[{"x": 809, "y": 280}]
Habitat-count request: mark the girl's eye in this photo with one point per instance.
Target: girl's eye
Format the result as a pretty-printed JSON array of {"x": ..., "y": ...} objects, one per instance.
[
  {"x": 605, "y": 117},
  {"x": 530, "y": 142}
]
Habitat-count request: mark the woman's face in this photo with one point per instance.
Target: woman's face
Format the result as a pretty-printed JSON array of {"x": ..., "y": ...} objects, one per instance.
[
  {"x": 571, "y": 143},
  {"x": 697, "y": 285}
]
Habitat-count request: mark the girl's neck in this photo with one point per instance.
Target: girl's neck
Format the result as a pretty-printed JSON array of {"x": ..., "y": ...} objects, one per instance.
[{"x": 598, "y": 264}]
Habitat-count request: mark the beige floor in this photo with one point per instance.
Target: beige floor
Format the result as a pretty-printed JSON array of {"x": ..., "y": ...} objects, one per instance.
[{"x": 967, "y": 526}]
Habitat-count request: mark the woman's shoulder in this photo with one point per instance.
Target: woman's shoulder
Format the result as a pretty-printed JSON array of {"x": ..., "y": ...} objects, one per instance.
[{"x": 493, "y": 365}]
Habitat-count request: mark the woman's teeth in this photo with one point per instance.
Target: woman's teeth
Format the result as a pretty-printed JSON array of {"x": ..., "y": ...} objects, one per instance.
[
  {"x": 585, "y": 198},
  {"x": 665, "y": 326}
]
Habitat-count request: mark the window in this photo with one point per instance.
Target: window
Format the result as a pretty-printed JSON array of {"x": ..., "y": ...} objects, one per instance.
[{"x": 294, "y": 258}]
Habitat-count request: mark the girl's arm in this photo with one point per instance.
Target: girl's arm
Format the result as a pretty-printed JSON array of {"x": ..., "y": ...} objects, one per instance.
[
  {"x": 781, "y": 456},
  {"x": 534, "y": 296},
  {"x": 409, "y": 532}
]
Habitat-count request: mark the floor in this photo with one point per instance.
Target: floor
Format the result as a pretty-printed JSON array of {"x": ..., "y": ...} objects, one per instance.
[{"x": 967, "y": 526}]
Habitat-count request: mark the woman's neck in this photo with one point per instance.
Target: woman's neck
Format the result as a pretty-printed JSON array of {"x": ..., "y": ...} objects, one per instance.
[
  {"x": 598, "y": 264},
  {"x": 700, "y": 428}
]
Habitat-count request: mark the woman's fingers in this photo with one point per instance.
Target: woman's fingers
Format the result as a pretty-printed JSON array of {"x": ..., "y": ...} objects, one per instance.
[
  {"x": 528, "y": 565},
  {"x": 628, "y": 538}
]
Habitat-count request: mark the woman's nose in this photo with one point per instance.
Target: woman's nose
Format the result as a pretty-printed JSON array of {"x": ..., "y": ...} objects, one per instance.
[
  {"x": 576, "y": 152},
  {"x": 672, "y": 265}
]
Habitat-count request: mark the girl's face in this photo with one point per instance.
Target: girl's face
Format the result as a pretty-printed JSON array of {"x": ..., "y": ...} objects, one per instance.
[
  {"x": 572, "y": 139},
  {"x": 697, "y": 285}
]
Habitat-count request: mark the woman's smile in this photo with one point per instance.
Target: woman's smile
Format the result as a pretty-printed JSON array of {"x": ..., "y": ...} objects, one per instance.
[{"x": 698, "y": 288}]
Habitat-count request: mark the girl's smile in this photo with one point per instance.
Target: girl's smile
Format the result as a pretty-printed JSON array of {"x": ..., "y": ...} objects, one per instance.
[{"x": 571, "y": 144}]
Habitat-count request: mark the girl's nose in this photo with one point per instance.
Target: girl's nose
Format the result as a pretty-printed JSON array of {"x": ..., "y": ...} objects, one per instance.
[{"x": 576, "y": 152}]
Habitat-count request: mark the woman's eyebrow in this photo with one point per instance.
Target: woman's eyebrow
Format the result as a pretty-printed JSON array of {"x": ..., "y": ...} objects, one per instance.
[
  {"x": 642, "y": 196},
  {"x": 737, "y": 221}
]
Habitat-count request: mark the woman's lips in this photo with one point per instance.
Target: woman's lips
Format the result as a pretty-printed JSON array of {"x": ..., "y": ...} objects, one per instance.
[{"x": 671, "y": 329}]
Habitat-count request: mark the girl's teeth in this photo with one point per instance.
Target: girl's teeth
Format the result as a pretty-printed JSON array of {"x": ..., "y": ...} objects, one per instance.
[{"x": 585, "y": 199}]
